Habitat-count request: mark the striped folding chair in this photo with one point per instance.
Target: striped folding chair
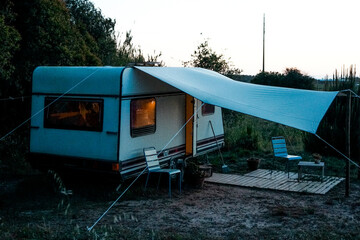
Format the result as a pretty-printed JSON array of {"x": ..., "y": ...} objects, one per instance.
[
  {"x": 153, "y": 166},
  {"x": 280, "y": 151}
]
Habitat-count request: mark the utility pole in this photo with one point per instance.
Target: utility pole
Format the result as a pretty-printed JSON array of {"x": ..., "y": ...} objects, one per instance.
[{"x": 263, "y": 68}]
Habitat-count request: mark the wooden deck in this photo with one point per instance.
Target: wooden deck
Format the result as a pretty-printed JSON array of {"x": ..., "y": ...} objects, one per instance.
[{"x": 278, "y": 180}]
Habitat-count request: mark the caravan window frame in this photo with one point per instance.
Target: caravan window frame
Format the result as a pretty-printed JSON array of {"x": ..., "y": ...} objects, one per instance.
[
  {"x": 146, "y": 129},
  {"x": 50, "y": 101},
  {"x": 207, "y": 109}
]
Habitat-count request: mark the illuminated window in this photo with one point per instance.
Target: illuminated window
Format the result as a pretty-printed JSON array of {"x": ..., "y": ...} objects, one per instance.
[
  {"x": 207, "y": 109},
  {"x": 76, "y": 114},
  {"x": 143, "y": 116}
]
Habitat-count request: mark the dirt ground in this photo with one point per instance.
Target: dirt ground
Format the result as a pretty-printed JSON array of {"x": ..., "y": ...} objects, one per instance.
[{"x": 32, "y": 207}]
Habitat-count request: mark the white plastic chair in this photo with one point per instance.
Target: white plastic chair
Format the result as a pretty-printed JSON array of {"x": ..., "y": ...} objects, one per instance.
[
  {"x": 153, "y": 166},
  {"x": 280, "y": 150}
]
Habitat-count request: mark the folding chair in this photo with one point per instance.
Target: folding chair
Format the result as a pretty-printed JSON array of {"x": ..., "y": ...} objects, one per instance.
[
  {"x": 280, "y": 151},
  {"x": 153, "y": 166}
]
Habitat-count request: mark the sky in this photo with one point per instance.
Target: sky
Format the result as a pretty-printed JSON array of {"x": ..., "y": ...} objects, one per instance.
[{"x": 315, "y": 36}]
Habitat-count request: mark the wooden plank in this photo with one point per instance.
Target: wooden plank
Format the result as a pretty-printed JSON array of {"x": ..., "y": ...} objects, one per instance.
[
  {"x": 261, "y": 178},
  {"x": 219, "y": 177},
  {"x": 287, "y": 185},
  {"x": 240, "y": 181},
  {"x": 223, "y": 178},
  {"x": 247, "y": 181},
  {"x": 255, "y": 173},
  {"x": 275, "y": 174},
  {"x": 326, "y": 181},
  {"x": 312, "y": 187},
  {"x": 261, "y": 173},
  {"x": 274, "y": 183},
  {"x": 317, "y": 187},
  {"x": 261, "y": 183},
  {"x": 215, "y": 177},
  {"x": 252, "y": 181},
  {"x": 336, "y": 182},
  {"x": 231, "y": 180},
  {"x": 301, "y": 186},
  {"x": 330, "y": 183}
]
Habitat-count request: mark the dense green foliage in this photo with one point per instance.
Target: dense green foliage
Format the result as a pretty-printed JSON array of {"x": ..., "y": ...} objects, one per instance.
[
  {"x": 246, "y": 135},
  {"x": 291, "y": 78},
  {"x": 58, "y": 33},
  {"x": 9, "y": 38},
  {"x": 50, "y": 32},
  {"x": 332, "y": 127},
  {"x": 205, "y": 57},
  {"x": 97, "y": 29}
]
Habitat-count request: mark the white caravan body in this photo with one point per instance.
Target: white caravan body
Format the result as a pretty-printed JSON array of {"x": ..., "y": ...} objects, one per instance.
[{"x": 101, "y": 118}]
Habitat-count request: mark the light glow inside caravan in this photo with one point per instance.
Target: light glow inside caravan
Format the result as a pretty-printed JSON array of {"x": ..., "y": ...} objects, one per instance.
[
  {"x": 143, "y": 116},
  {"x": 77, "y": 114}
]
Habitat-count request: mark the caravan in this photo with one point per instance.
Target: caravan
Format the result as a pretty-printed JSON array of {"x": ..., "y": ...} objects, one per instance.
[{"x": 101, "y": 118}]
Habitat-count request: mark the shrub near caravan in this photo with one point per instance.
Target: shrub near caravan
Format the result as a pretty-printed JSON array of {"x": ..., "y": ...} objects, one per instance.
[{"x": 101, "y": 118}]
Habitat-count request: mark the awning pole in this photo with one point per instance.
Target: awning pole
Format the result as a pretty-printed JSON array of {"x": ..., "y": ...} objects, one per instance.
[{"x": 347, "y": 142}]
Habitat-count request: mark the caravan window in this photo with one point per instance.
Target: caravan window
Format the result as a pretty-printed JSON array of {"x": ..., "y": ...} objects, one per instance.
[
  {"x": 207, "y": 109},
  {"x": 143, "y": 116},
  {"x": 74, "y": 113}
]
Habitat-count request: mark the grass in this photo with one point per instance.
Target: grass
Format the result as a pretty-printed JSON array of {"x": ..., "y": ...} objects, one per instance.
[
  {"x": 247, "y": 136},
  {"x": 55, "y": 213}
]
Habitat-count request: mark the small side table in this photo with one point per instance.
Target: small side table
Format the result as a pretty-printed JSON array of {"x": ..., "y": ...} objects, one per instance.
[{"x": 310, "y": 164}]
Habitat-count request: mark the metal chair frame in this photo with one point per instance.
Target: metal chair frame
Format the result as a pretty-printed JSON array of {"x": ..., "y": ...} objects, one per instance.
[
  {"x": 153, "y": 166},
  {"x": 280, "y": 151}
]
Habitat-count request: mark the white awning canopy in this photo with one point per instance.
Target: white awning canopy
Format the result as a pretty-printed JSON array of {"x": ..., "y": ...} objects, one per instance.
[{"x": 301, "y": 109}]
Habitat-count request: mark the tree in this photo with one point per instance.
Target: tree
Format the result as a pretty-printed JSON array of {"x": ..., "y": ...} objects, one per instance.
[
  {"x": 292, "y": 78},
  {"x": 205, "y": 57},
  {"x": 97, "y": 30},
  {"x": 9, "y": 39},
  {"x": 49, "y": 32},
  {"x": 295, "y": 79},
  {"x": 48, "y": 38},
  {"x": 268, "y": 78},
  {"x": 127, "y": 52},
  {"x": 332, "y": 127}
]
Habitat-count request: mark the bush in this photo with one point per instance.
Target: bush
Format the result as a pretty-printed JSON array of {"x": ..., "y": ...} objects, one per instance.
[
  {"x": 292, "y": 78},
  {"x": 246, "y": 134}
]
